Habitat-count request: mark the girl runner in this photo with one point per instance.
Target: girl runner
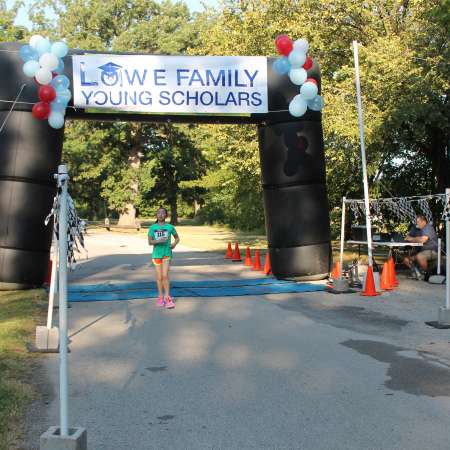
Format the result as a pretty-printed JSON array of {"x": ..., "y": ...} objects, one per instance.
[{"x": 159, "y": 235}]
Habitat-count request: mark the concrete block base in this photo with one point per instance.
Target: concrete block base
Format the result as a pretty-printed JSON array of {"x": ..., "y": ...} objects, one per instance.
[
  {"x": 47, "y": 340},
  {"x": 437, "y": 279},
  {"x": 340, "y": 285},
  {"x": 444, "y": 316},
  {"x": 52, "y": 440}
]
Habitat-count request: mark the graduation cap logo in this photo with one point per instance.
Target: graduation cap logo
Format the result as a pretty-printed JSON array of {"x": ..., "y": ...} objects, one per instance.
[{"x": 111, "y": 73}]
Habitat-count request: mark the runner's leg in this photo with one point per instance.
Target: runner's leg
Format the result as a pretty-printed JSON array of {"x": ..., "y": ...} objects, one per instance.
[
  {"x": 165, "y": 266},
  {"x": 159, "y": 278}
]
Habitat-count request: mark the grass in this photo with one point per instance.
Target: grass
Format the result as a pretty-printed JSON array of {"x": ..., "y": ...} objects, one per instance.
[
  {"x": 20, "y": 311},
  {"x": 202, "y": 237},
  {"x": 215, "y": 238}
]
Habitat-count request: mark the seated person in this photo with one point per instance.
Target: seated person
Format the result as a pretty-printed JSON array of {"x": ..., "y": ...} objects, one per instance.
[{"x": 425, "y": 254}]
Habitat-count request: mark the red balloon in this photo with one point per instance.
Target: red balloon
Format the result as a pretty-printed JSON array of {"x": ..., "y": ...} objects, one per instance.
[
  {"x": 47, "y": 93},
  {"x": 308, "y": 63},
  {"x": 312, "y": 80},
  {"x": 41, "y": 110},
  {"x": 284, "y": 45},
  {"x": 280, "y": 36}
]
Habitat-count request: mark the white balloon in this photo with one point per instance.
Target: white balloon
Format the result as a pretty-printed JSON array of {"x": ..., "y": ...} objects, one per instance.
[
  {"x": 43, "y": 76},
  {"x": 35, "y": 39},
  {"x": 30, "y": 68},
  {"x": 298, "y": 76},
  {"x": 298, "y": 106},
  {"x": 297, "y": 59},
  {"x": 49, "y": 61},
  {"x": 301, "y": 45},
  {"x": 309, "y": 90}
]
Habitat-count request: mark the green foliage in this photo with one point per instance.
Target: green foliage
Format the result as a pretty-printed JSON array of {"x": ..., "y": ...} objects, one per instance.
[
  {"x": 404, "y": 66},
  {"x": 404, "y": 76},
  {"x": 114, "y": 165},
  {"x": 8, "y": 31}
]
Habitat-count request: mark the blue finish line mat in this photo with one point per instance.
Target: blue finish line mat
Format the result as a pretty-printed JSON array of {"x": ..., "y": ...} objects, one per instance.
[{"x": 207, "y": 288}]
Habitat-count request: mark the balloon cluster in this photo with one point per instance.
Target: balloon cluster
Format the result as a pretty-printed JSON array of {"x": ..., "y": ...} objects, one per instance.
[
  {"x": 296, "y": 62},
  {"x": 43, "y": 61}
]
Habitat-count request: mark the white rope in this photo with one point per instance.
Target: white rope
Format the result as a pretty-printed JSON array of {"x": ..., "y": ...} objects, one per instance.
[
  {"x": 446, "y": 213},
  {"x": 75, "y": 229},
  {"x": 401, "y": 207},
  {"x": 12, "y": 107},
  {"x": 410, "y": 198}
]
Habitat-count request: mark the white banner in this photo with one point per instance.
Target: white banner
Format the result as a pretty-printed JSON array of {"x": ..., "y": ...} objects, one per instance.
[{"x": 171, "y": 84}]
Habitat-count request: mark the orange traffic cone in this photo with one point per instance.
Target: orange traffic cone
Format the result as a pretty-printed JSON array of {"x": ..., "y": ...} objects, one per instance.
[
  {"x": 392, "y": 276},
  {"x": 385, "y": 278},
  {"x": 236, "y": 254},
  {"x": 370, "y": 290},
  {"x": 267, "y": 267},
  {"x": 229, "y": 254},
  {"x": 257, "y": 262},
  {"x": 336, "y": 272},
  {"x": 248, "y": 257}
]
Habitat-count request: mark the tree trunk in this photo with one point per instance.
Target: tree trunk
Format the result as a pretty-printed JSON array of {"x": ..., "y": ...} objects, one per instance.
[
  {"x": 173, "y": 210},
  {"x": 127, "y": 218},
  {"x": 440, "y": 161},
  {"x": 196, "y": 207}
]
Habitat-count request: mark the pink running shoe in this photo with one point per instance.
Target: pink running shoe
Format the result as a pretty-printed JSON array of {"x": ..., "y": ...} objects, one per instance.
[
  {"x": 169, "y": 303},
  {"x": 160, "y": 301}
]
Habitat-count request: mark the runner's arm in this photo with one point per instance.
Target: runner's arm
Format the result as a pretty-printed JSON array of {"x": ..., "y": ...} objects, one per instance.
[{"x": 177, "y": 240}]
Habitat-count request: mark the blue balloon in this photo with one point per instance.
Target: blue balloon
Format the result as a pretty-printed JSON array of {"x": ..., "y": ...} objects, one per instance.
[
  {"x": 282, "y": 66},
  {"x": 60, "y": 82},
  {"x": 316, "y": 104},
  {"x": 60, "y": 69},
  {"x": 56, "y": 120},
  {"x": 28, "y": 53},
  {"x": 30, "y": 68},
  {"x": 60, "y": 49},
  {"x": 59, "y": 103},
  {"x": 58, "y": 106},
  {"x": 63, "y": 94},
  {"x": 298, "y": 106},
  {"x": 43, "y": 46},
  {"x": 297, "y": 58}
]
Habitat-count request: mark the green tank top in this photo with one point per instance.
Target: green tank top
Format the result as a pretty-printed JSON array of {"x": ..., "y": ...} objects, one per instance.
[{"x": 157, "y": 232}]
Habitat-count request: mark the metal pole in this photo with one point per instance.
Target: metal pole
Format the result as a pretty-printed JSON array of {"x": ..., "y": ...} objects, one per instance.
[
  {"x": 438, "y": 268},
  {"x": 341, "y": 257},
  {"x": 363, "y": 153},
  {"x": 53, "y": 282},
  {"x": 447, "y": 254},
  {"x": 63, "y": 373}
]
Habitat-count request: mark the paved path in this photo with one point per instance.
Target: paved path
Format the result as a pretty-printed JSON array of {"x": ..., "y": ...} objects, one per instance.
[{"x": 305, "y": 371}]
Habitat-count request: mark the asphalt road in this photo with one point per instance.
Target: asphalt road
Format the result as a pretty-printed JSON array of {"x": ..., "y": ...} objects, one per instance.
[{"x": 296, "y": 371}]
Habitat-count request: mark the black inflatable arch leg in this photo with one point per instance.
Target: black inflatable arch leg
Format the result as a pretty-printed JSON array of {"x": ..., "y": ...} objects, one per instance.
[
  {"x": 30, "y": 152},
  {"x": 295, "y": 198}
]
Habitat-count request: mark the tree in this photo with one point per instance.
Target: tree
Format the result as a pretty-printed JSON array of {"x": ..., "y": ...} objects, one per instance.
[
  {"x": 404, "y": 71},
  {"x": 8, "y": 31},
  {"x": 173, "y": 159},
  {"x": 119, "y": 153}
]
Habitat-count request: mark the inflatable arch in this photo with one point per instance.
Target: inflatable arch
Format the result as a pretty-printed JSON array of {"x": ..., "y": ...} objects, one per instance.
[{"x": 292, "y": 172}]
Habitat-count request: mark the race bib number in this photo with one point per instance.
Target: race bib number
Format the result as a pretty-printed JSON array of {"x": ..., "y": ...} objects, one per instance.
[{"x": 161, "y": 235}]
